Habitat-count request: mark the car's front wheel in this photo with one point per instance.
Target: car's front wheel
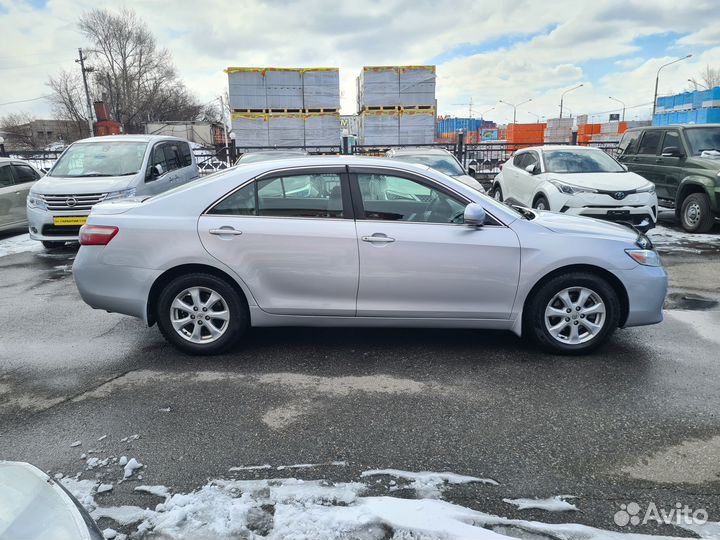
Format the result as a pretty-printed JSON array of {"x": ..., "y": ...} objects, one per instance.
[
  {"x": 201, "y": 314},
  {"x": 695, "y": 213},
  {"x": 541, "y": 203},
  {"x": 497, "y": 193},
  {"x": 572, "y": 313}
]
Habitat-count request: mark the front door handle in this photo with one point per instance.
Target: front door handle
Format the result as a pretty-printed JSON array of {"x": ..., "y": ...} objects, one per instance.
[
  {"x": 225, "y": 231},
  {"x": 378, "y": 238},
  {"x": 658, "y": 160}
]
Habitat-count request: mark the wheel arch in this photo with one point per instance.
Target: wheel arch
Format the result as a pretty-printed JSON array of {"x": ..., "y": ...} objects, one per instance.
[
  {"x": 611, "y": 278},
  {"x": 538, "y": 194},
  {"x": 694, "y": 184},
  {"x": 176, "y": 271}
]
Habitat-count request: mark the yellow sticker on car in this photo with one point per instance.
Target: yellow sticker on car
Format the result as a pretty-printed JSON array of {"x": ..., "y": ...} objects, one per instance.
[{"x": 70, "y": 221}]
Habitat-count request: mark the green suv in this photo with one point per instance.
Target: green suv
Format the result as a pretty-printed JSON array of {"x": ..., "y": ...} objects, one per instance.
[{"x": 684, "y": 164}]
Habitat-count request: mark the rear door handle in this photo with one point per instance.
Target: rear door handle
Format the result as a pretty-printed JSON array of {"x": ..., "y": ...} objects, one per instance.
[
  {"x": 378, "y": 238},
  {"x": 222, "y": 231},
  {"x": 658, "y": 160}
]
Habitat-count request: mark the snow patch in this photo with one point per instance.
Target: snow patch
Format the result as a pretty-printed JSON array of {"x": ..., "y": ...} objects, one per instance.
[
  {"x": 159, "y": 491},
  {"x": 103, "y": 488},
  {"x": 130, "y": 467},
  {"x": 428, "y": 484},
  {"x": 667, "y": 239},
  {"x": 19, "y": 244},
  {"x": 552, "y": 504},
  {"x": 123, "y": 461},
  {"x": 75, "y": 444}
]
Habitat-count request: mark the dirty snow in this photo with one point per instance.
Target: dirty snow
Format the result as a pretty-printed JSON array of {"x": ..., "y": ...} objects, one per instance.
[
  {"x": 76, "y": 443},
  {"x": 159, "y": 491},
  {"x": 667, "y": 239},
  {"x": 123, "y": 461},
  {"x": 552, "y": 504},
  {"x": 19, "y": 244},
  {"x": 711, "y": 529},
  {"x": 428, "y": 484},
  {"x": 293, "y": 508},
  {"x": 103, "y": 488},
  {"x": 131, "y": 466}
]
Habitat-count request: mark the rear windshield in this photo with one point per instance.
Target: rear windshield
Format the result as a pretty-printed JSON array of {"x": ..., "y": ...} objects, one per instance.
[
  {"x": 705, "y": 139},
  {"x": 580, "y": 161},
  {"x": 100, "y": 159}
]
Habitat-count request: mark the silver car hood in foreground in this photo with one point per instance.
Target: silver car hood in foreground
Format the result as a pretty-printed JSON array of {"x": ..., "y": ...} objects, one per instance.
[
  {"x": 57, "y": 185},
  {"x": 565, "y": 224}
]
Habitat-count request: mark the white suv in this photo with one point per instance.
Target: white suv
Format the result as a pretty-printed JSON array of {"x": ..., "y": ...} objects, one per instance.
[{"x": 576, "y": 180}]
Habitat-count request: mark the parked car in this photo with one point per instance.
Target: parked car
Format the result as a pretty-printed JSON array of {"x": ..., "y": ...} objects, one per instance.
[
  {"x": 438, "y": 159},
  {"x": 364, "y": 242},
  {"x": 16, "y": 179},
  {"x": 683, "y": 162},
  {"x": 265, "y": 155},
  {"x": 100, "y": 169},
  {"x": 577, "y": 180}
]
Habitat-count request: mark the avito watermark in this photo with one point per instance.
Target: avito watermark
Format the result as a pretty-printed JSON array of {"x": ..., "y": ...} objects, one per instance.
[{"x": 681, "y": 514}]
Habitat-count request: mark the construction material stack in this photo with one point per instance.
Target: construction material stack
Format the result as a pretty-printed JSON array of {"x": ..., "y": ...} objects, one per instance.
[
  {"x": 523, "y": 135},
  {"x": 699, "y": 107},
  {"x": 397, "y": 105},
  {"x": 559, "y": 130},
  {"x": 275, "y": 107}
]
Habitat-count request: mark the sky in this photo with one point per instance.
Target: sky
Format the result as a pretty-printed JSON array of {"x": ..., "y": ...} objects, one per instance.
[{"x": 484, "y": 51}]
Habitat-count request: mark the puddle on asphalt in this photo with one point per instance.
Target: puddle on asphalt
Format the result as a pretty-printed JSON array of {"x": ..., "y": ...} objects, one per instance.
[{"x": 689, "y": 301}]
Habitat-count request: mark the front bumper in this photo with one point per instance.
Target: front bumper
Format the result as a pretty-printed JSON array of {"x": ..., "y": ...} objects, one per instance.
[
  {"x": 41, "y": 227},
  {"x": 646, "y": 288},
  {"x": 118, "y": 289},
  {"x": 640, "y": 209}
]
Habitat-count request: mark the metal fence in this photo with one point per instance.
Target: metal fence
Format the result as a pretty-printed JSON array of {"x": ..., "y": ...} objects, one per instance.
[{"x": 483, "y": 159}]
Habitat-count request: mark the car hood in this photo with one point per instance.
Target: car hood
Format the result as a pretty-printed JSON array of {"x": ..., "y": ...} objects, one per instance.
[
  {"x": 56, "y": 185},
  {"x": 470, "y": 181},
  {"x": 565, "y": 224},
  {"x": 624, "y": 181}
]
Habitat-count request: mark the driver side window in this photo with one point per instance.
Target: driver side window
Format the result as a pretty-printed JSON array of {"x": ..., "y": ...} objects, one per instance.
[
  {"x": 393, "y": 198},
  {"x": 158, "y": 158}
]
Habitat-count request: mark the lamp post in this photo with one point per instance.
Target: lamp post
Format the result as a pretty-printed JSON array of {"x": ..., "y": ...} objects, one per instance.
[
  {"x": 622, "y": 103},
  {"x": 537, "y": 116},
  {"x": 698, "y": 84},
  {"x": 657, "y": 79},
  {"x": 515, "y": 107},
  {"x": 562, "y": 96}
]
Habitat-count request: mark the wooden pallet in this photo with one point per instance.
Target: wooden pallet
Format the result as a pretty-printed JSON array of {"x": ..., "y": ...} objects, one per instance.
[
  {"x": 322, "y": 110},
  {"x": 270, "y": 111},
  {"x": 398, "y": 108},
  {"x": 418, "y": 108}
]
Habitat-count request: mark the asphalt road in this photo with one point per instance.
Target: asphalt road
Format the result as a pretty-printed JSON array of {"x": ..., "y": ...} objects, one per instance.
[{"x": 636, "y": 421}]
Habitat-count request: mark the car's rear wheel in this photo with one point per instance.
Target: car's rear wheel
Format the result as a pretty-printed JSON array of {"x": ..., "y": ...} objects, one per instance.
[
  {"x": 572, "y": 313},
  {"x": 52, "y": 245},
  {"x": 695, "y": 213},
  {"x": 201, "y": 314},
  {"x": 541, "y": 203},
  {"x": 497, "y": 193}
]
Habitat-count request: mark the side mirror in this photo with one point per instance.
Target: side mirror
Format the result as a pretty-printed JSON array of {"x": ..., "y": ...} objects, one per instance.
[
  {"x": 155, "y": 172},
  {"x": 532, "y": 169},
  {"x": 474, "y": 215},
  {"x": 671, "y": 151},
  {"x": 625, "y": 167}
]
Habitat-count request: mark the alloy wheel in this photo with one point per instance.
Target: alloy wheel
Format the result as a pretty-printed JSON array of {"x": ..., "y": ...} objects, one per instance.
[
  {"x": 199, "y": 315},
  {"x": 575, "y": 315}
]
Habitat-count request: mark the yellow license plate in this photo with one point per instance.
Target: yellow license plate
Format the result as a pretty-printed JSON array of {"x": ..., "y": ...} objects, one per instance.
[{"x": 71, "y": 221}]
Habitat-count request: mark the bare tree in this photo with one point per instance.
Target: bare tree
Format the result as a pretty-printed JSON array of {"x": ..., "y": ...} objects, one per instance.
[
  {"x": 708, "y": 78},
  {"x": 68, "y": 99},
  {"x": 16, "y": 126}
]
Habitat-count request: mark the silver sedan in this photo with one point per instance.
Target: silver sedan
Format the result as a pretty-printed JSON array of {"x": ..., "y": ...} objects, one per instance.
[{"x": 348, "y": 241}]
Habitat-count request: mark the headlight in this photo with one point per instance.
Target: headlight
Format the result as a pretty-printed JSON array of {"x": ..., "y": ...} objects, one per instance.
[
  {"x": 649, "y": 188},
  {"x": 36, "y": 201},
  {"x": 646, "y": 257},
  {"x": 569, "y": 189},
  {"x": 120, "y": 194}
]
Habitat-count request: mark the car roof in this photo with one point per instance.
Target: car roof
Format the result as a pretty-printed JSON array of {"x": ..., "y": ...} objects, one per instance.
[
  {"x": 15, "y": 160},
  {"x": 675, "y": 126},
  {"x": 547, "y": 147},
  {"x": 130, "y": 138},
  {"x": 419, "y": 151}
]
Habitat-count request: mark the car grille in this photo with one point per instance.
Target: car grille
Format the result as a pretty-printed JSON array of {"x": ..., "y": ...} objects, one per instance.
[{"x": 72, "y": 202}]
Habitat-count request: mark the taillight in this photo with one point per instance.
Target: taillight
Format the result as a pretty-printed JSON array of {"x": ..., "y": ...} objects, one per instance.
[{"x": 96, "y": 235}]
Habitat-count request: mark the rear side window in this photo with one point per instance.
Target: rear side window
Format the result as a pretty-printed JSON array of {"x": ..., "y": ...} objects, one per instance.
[
  {"x": 186, "y": 154},
  {"x": 240, "y": 203},
  {"x": 6, "y": 177},
  {"x": 172, "y": 156},
  {"x": 650, "y": 142},
  {"x": 629, "y": 142}
]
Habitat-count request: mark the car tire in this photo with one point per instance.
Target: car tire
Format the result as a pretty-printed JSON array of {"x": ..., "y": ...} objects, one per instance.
[
  {"x": 571, "y": 331},
  {"x": 695, "y": 213},
  {"x": 541, "y": 203},
  {"x": 52, "y": 245},
  {"x": 497, "y": 193},
  {"x": 195, "y": 291}
]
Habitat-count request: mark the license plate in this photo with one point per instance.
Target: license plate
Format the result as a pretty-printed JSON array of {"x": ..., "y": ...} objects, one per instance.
[
  {"x": 618, "y": 213},
  {"x": 70, "y": 221}
]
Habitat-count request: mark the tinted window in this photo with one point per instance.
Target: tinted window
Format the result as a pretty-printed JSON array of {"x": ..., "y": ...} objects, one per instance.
[
  {"x": 518, "y": 159},
  {"x": 705, "y": 139},
  {"x": 172, "y": 156},
  {"x": 650, "y": 142},
  {"x": 158, "y": 158},
  {"x": 24, "y": 173},
  {"x": 530, "y": 159},
  {"x": 6, "y": 177},
  {"x": 304, "y": 196},
  {"x": 240, "y": 203},
  {"x": 629, "y": 142},
  {"x": 393, "y": 198},
  {"x": 186, "y": 154},
  {"x": 672, "y": 139}
]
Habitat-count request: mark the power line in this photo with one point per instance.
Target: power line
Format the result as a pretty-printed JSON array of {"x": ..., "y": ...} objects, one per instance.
[
  {"x": 25, "y": 100},
  {"x": 33, "y": 65},
  {"x": 26, "y": 55}
]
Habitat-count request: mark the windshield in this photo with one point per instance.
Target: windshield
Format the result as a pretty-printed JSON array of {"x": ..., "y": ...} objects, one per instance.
[
  {"x": 100, "y": 159},
  {"x": 443, "y": 164},
  {"x": 703, "y": 139},
  {"x": 580, "y": 161},
  {"x": 254, "y": 158}
]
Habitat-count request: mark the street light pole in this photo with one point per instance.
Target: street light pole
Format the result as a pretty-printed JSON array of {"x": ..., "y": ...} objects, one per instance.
[
  {"x": 622, "y": 103},
  {"x": 515, "y": 107},
  {"x": 537, "y": 116},
  {"x": 562, "y": 96},
  {"x": 657, "y": 79},
  {"x": 698, "y": 84}
]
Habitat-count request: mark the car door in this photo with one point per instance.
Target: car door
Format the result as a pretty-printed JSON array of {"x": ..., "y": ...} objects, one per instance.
[
  {"x": 188, "y": 170},
  {"x": 8, "y": 198},
  {"x": 25, "y": 176},
  {"x": 418, "y": 259},
  {"x": 511, "y": 172},
  {"x": 670, "y": 167},
  {"x": 527, "y": 182},
  {"x": 291, "y": 237},
  {"x": 645, "y": 161},
  {"x": 155, "y": 183}
]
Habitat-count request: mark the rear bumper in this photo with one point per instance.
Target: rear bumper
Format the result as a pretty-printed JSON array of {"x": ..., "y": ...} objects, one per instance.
[
  {"x": 118, "y": 289},
  {"x": 646, "y": 287}
]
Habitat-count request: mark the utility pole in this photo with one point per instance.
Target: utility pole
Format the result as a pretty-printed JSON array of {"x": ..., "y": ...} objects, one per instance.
[{"x": 85, "y": 70}]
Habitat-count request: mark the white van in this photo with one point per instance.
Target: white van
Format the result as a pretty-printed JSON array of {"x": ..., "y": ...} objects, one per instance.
[{"x": 100, "y": 169}]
